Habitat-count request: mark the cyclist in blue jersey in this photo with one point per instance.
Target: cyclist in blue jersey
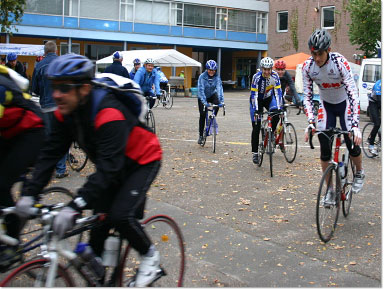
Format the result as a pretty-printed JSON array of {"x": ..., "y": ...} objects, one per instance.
[
  {"x": 146, "y": 77},
  {"x": 210, "y": 90},
  {"x": 136, "y": 66},
  {"x": 265, "y": 93},
  {"x": 375, "y": 114},
  {"x": 163, "y": 79}
]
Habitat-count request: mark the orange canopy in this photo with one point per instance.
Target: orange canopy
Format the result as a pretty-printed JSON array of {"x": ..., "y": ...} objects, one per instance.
[{"x": 294, "y": 59}]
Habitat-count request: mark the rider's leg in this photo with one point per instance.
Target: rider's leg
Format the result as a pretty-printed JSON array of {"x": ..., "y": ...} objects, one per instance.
[
  {"x": 374, "y": 111},
  {"x": 201, "y": 118}
]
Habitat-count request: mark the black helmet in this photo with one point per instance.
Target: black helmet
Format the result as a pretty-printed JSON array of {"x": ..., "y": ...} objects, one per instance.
[
  {"x": 71, "y": 67},
  {"x": 319, "y": 40}
]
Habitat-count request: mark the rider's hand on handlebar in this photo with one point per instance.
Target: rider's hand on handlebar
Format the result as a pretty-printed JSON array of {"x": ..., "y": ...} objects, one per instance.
[
  {"x": 356, "y": 135},
  {"x": 65, "y": 221},
  {"x": 24, "y": 207},
  {"x": 221, "y": 105},
  {"x": 311, "y": 127}
]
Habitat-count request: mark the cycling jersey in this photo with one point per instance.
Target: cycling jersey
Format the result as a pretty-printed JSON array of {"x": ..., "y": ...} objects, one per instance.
[{"x": 336, "y": 85}]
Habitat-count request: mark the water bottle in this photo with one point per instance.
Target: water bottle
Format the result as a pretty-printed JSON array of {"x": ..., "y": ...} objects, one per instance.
[
  {"x": 93, "y": 263},
  {"x": 111, "y": 251},
  {"x": 278, "y": 130}
]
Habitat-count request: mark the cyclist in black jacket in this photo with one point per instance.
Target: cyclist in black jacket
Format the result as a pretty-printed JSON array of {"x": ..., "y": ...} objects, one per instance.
[{"x": 126, "y": 154}]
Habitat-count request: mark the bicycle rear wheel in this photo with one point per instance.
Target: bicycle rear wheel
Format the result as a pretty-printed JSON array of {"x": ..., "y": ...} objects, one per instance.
[
  {"x": 270, "y": 151},
  {"x": 168, "y": 101},
  {"x": 289, "y": 147},
  {"x": 168, "y": 240},
  {"x": 326, "y": 214},
  {"x": 77, "y": 158},
  {"x": 150, "y": 121},
  {"x": 34, "y": 274},
  {"x": 366, "y": 136},
  {"x": 347, "y": 179}
]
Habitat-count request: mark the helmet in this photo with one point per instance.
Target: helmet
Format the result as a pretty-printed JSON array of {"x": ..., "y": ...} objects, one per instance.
[
  {"x": 11, "y": 56},
  {"x": 71, "y": 67},
  {"x": 149, "y": 60},
  {"x": 158, "y": 68},
  {"x": 319, "y": 40},
  {"x": 211, "y": 64},
  {"x": 117, "y": 55},
  {"x": 377, "y": 88},
  {"x": 280, "y": 64},
  {"x": 136, "y": 61},
  {"x": 266, "y": 62}
]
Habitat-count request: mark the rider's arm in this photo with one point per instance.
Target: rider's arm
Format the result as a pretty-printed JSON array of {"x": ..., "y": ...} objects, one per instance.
[
  {"x": 308, "y": 91},
  {"x": 254, "y": 91},
  {"x": 219, "y": 89},
  {"x": 278, "y": 92},
  {"x": 157, "y": 84},
  {"x": 139, "y": 75},
  {"x": 201, "y": 90}
]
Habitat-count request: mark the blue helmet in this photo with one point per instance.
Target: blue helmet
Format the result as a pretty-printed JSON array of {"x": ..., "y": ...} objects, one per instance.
[
  {"x": 117, "y": 55},
  {"x": 377, "y": 88},
  {"x": 211, "y": 64},
  {"x": 11, "y": 56},
  {"x": 71, "y": 67},
  {"x": 136, "y": 61}
]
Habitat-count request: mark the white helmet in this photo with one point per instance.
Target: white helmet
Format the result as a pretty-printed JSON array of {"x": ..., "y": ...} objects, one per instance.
[
  {"x": 266, "y": 62},
  {"x": 149, "y": 60}
]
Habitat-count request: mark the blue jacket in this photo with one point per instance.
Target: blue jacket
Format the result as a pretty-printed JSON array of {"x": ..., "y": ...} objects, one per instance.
[
  {"x": 41, "y": 86},
  {"x": 207, "y": 87},
  {"x": 147, "y": 80},
  {"x": 132, "y": 74},
  {"x": 117, "y": 68},
  {"x": 163, "y": 78}
]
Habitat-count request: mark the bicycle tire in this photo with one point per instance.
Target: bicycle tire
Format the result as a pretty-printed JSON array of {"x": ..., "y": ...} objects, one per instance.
[
  {"x": 168, "y": 240},
  {"x": 289, "y": 142},
  {"x": 76, "y": 158},
  {"x": 150, "y": 121},
  {"x": 327, "y": 216},
  {"x": 365, "y": 137},
  {"x": 27, "y": 275},
  {"x": 348, "y": 181},
  {"x": 270, "y": 151},
  {"x": 168, "y": 101},
  {"x": 214, "y": 133},
  {"x": 261, "y": 146}
]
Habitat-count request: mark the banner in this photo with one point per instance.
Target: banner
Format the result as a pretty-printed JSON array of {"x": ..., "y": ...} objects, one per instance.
[{"x": 21, "y": 49}]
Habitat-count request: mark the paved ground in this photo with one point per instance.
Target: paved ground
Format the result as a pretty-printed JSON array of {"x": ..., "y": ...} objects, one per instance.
[{"x": 243, "y": 228}]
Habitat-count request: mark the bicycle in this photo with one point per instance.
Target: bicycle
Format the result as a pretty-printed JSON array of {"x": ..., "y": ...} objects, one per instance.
[
  {"x": 211, "y": 126},
  {"x": 335, "y": 187},
  {"x": 285, "y": 137},
  {"x": 48, "y": 271},
  {"x": 149, "y": 116},
  {"x": 76, "y": 158},
  {"x": 366, "y": 134},
  {"x": 165, "y": 98}
]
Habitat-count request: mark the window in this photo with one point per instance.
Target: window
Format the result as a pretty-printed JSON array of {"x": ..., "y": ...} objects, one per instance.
[
  {"x": 328, "y": 17},
  {"x": 100, "y": 9},
  {"x": 261, "y": 22},
  {"x": 71, "y": 7},
  {"x": 64, "y": 48},
  {"x": 176, "y": 14},
  {"x": 221, "y": 18},
  {"x": 372, "y": 73},
  {"x": 54, "y": 7},
  {"x": 198, "y": 16},
  {"x": 99, "y": 51},
  {"x": 282, "y": 21},
  {"x": 242, "y": 21},
  {"x": 126, "y": 10}
]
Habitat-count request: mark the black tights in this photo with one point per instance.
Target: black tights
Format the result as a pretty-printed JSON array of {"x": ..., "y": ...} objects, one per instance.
[{"x": 214, "y": 99}]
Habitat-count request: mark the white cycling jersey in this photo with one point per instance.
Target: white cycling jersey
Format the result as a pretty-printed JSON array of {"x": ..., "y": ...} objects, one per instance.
[{"x": 335, "y": 83}]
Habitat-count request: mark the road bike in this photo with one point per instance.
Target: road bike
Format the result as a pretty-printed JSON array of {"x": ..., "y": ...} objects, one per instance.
[
  {"x": 76, "y": 157},
  {"x": 366, "y": 136},
  {"x": 285, "y": 137},
  {"x": 335, "y": 186},
  {"x": 149, "y": 116},
  {"x": 166, "y": 99},
  {"x": 50, "y": 271},
  {"x": 211, "y": 126}
]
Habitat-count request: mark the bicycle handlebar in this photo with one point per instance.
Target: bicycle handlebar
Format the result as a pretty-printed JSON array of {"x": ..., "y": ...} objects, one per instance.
[{"x": 333, "y": 131}]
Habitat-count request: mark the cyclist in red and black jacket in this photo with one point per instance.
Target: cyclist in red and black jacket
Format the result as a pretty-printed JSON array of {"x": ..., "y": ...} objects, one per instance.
[
  {"x": 21, "y": 137},
  {"x": 126, "y": 154}
]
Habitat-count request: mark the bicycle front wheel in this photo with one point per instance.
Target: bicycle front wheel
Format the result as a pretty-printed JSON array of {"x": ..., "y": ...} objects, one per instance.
[
  {"x": 328, "y": 204},
  {"x": 168, "y": 101},
  {"x": 77, "y": 158},
  {"x": 366, "y": 134},
  {"x": 261, "y": 146},
  {"x": 34, "y": 274},
  {"x": 289, "y": 147},
  {"x": 150, "y": 121},
  {"x": 270, "y": 151},
  {"x": 347, "y": 181},
  {"x": 214, "y": 133},
  {"x": 168, "y": 240}
]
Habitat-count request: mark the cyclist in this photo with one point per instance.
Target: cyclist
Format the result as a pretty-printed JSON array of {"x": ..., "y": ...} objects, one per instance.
[
  {"x": 265, "y": 93},
  {"x": 210, "y": 90},
  {"x": 16, "y": 65},
  {"x": 286, "y": 79},
  {"x": 136, "y": 66},
  {"x": 146, "y": 77},
  {"x": 117, "y": 66},
  {"x": 163, "y": 79},
  {"x": 21, "y": 137},
  {"x": 374, "y": 112},
  {"x": 126, "y": 155},
  {"x": 338, "y": 98}
]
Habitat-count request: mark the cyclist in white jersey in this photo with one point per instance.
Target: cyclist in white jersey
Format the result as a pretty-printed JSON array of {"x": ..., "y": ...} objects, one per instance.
[{"x": 338, "y": 98}]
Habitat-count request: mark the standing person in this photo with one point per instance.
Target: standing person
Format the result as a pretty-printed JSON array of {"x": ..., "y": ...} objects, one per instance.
[
  {"x": 338, "y": 98},
  {"x": 117, "y": 67},
  {"x": 136, "y": 66},
  {"x": 21, "y": 137},
  {"x": 210, "y": 90},
  {"x": 375, "y": 113},
  {"x": 163, "y": 79},
  {"x": 126, "y": 155},
  {"x": 147, "y": 77},
  {"x": 265, "y": 93},
  {"x": 41, "y": 86},
  {"x": 286, "y": 79},
  {"x": 16, "y": 65}
]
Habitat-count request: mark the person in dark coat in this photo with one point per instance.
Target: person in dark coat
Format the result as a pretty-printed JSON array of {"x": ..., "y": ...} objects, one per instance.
[{"x": 117, "y": 67}]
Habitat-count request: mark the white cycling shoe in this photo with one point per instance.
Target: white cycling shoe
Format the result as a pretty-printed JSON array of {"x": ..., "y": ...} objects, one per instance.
[{"x": 149, "y": 270}]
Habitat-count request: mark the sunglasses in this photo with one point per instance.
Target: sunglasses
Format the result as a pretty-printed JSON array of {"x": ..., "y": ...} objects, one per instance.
[{"x": 65, "y": 88}]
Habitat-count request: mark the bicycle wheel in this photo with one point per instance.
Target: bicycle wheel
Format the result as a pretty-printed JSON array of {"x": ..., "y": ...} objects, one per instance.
[
  {"x": 214, "y": 127},
  {"x": 168, "y": 240},
  {"x": 168, "y": 101},
  {"x": 34, "y": 274},
  {"x": 261, "y": 146},
  {"x": 270, "y": 151},
  {"x": 347, "y": 181},
  {"x": 77, "y": 158},
  {"x": 365, "y": 143},
  {"x": 327, "y": 215},
  {"x": 150, "y": 121},
  {"x": 289, "y": 147}
]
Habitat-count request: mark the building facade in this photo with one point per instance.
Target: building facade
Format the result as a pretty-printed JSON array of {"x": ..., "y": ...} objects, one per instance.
[
  {"x": 234, "y": 33},
  {"x": 291, "y": 22}
]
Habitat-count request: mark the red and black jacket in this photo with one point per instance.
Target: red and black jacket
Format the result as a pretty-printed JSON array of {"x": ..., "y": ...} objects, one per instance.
[{"x": 115, "y": 141}]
